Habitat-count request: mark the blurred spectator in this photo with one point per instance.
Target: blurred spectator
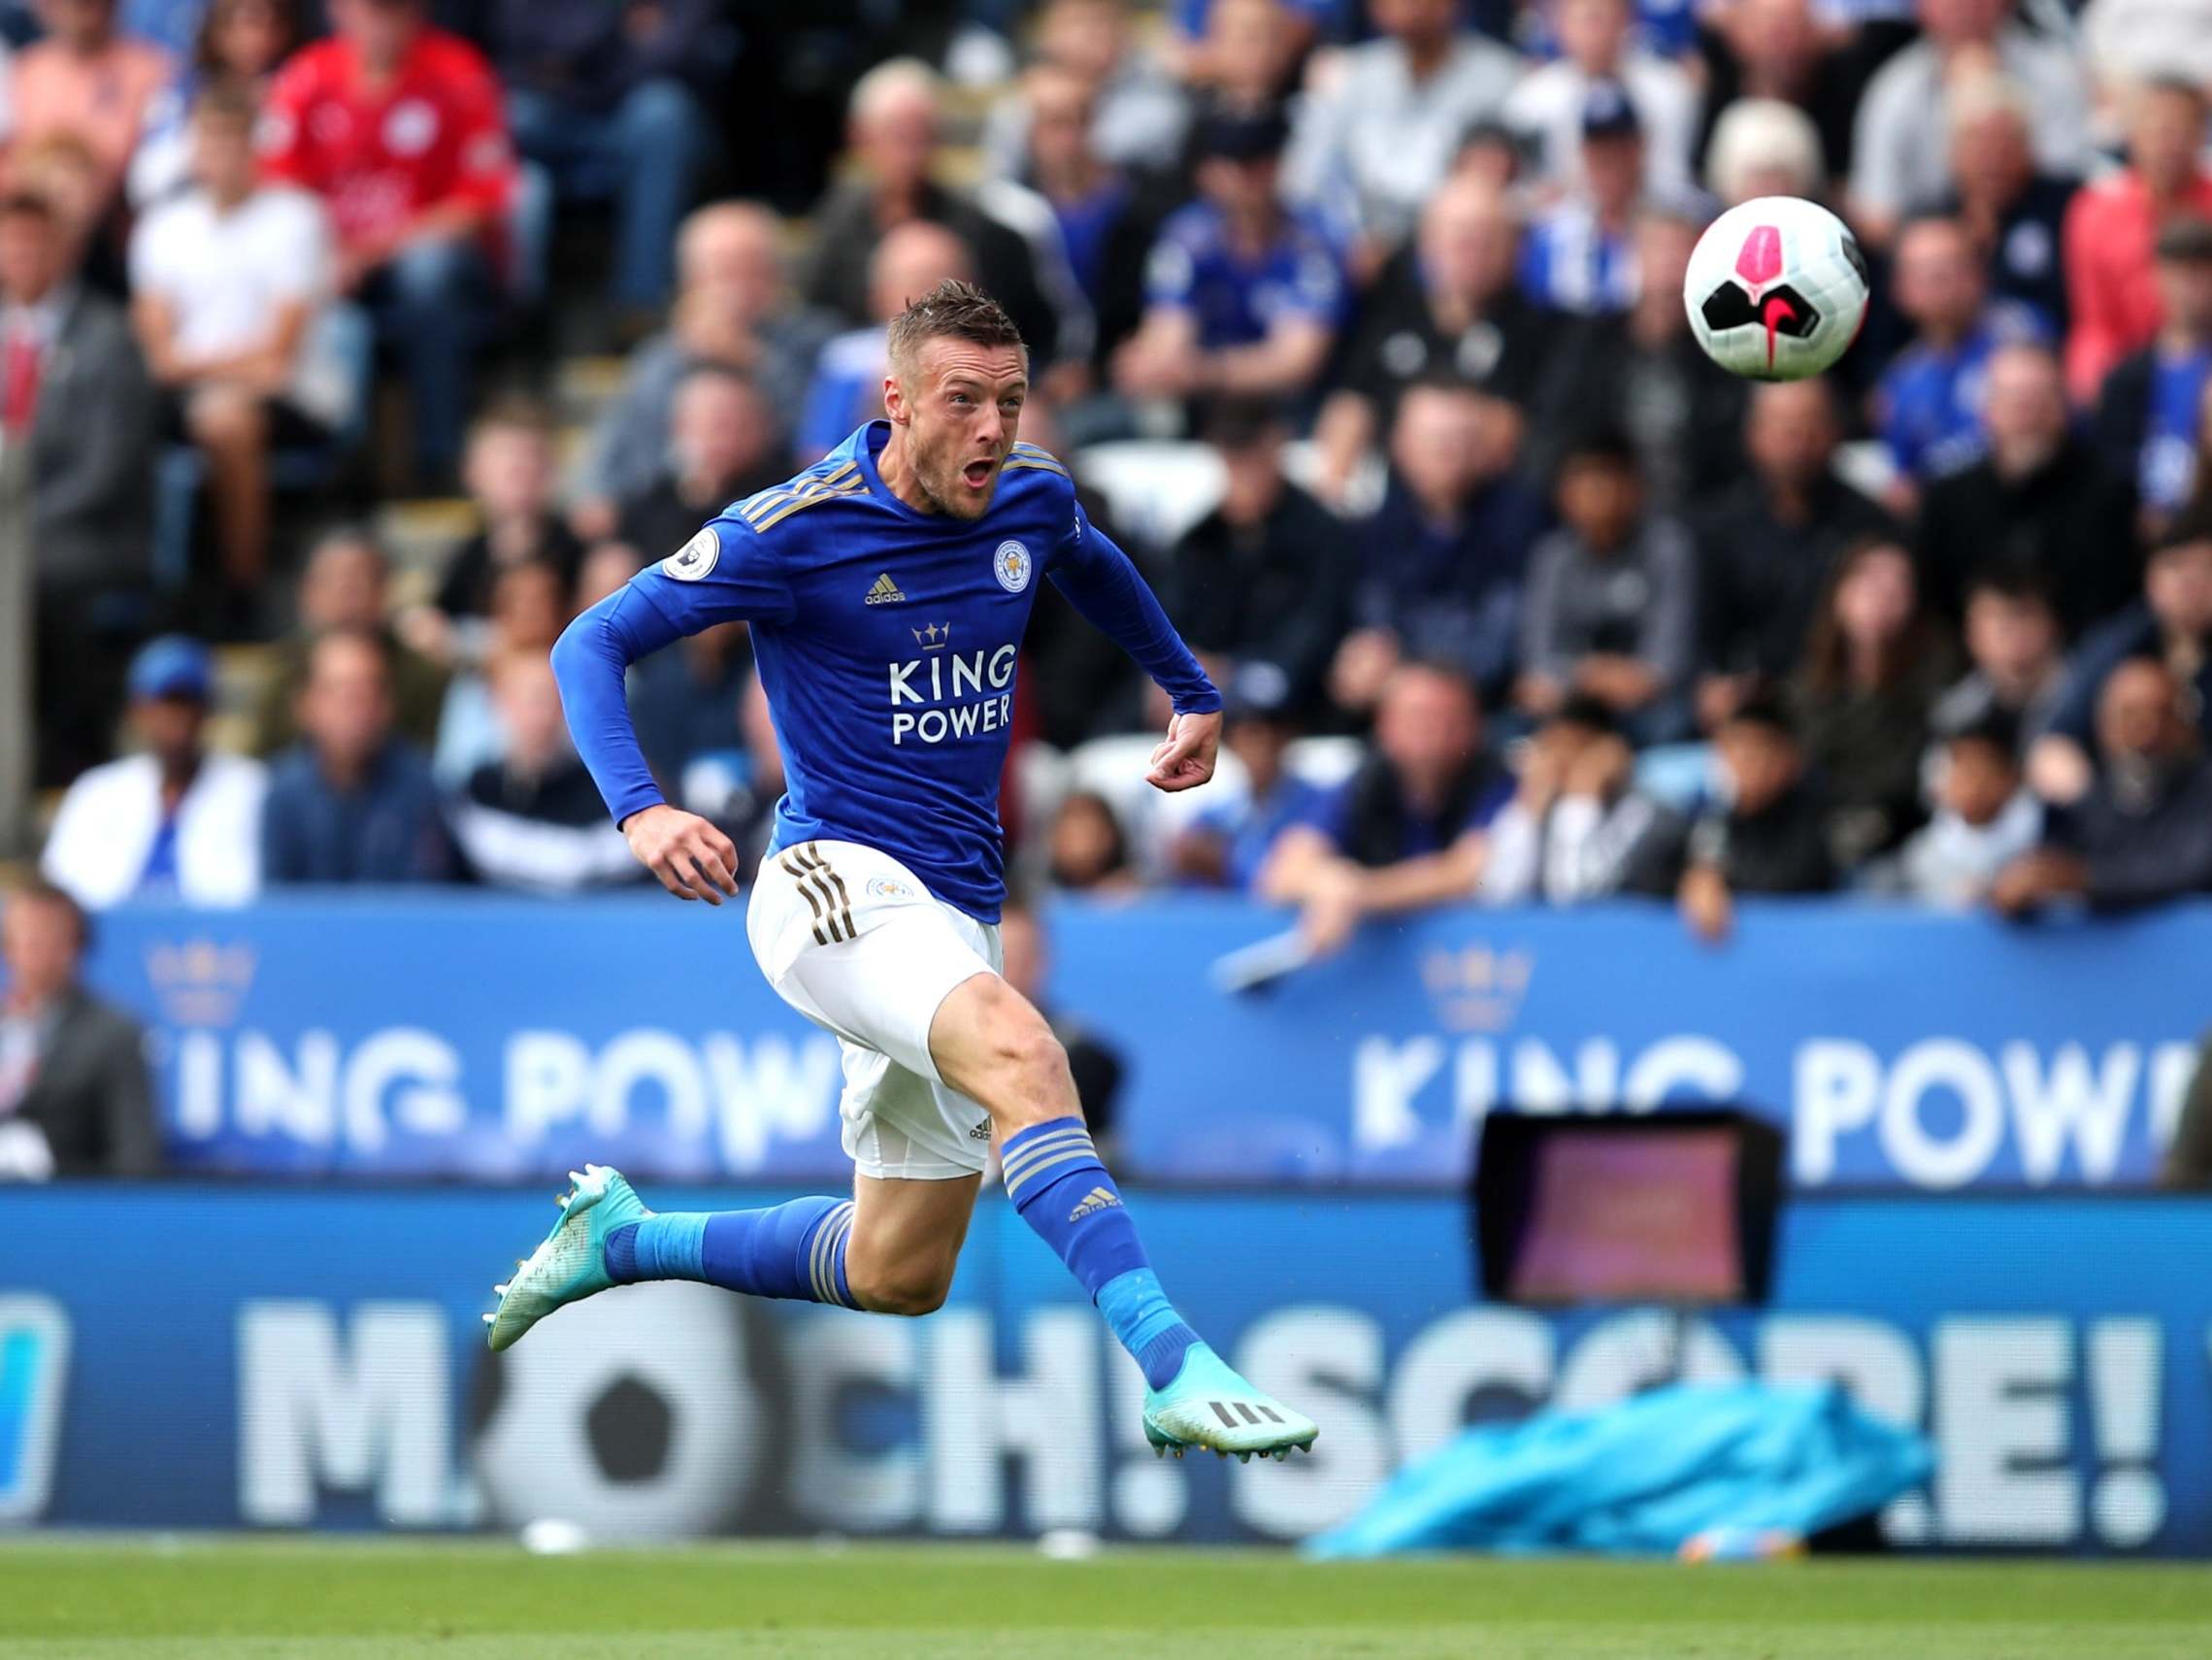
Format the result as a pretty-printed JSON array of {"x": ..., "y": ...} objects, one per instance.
[
  {"x": 2039, "y": 499},
  {"x": 63, "y": 171},
  {"x": 532, "y": 819},
  {"x": 721, "y": 448},
  {"x": 1928, "y": 401},
  {"x": 1577, "y": 828},
  {"x": 1983, "y": 819},
  {"x": 1577, "y": 255},
  {"x": 2150, "y": 414},
  {"x": 398, "y": 126},
  {"x": 74, "y": 392},
  {"x": 229, "y": 284},
  {"x": 1242, "y": 296},
  {"x": 1442, "y": 559},
  {"x": 848, "y": 386},
  {"x": 894, "y": 134},
  {"x": 2143, "y": 831},
  {"x": 1644, "y": 371},
  {"x": 508, "y": 471},
  {"x": 174, "y": 820},
  {"x": 1097, "y": 1068},
  {"x": 1227, "y": 843},
  {"x": 735, "y": 775},
  {"x": 1134, "y": 113},
  {"x": 1408, "y": 830},
  {"x": 1248, "y": 58},
  {"x": 346, "y": 586},
  {"x": 89, "y": 79},
  {"x": 2129, "y": 43},
  {"x": 238, "y": 41},
  {"x": 1446, "y": 304},
  {"x": 689, "y": 703},
  {"x": 1875, "y": 662},
  {"x": 1777, "y": 50},
  {"x": 1086, "y": 848},
  {"x": 1767, "y": 550},
  {"x": 734, "y": 305},
  {"x": 600, "y": 96},
  {"x": 1764, "y": 146},
  {"x": 1106, "y": 225},
  {"x": 2014, "y": 214},
  {"x": 1596, "y": 43},
  {"x": 1262, "y": 582},
  {"x": 529, "y": 608},
  {"x": 1373, "y": 144},
  {"x": 75, "y": 1098},
  {"x": 1766, "y": 835},
  {"x": 2017, "y": 670},
  {"x": 1897, "y": 153},
  {"x": 1611, "y": 605},
  {"x": 2112, "y": 229},
  {"x": 605, "y": 568},
  {"x": 353, "y": 803},
  {"x": 2171, "y": 622}
]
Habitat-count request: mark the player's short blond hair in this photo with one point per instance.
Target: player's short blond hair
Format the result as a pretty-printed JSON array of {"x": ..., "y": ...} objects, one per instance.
[{"x": 953, "y": 309}]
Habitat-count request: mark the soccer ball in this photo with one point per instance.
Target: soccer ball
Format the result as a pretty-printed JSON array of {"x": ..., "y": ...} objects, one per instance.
[{"x": 1776, "y": 290}]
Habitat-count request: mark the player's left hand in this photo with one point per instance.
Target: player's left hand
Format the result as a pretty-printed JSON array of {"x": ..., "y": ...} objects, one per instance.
[{"x": 1184, "y": 760}]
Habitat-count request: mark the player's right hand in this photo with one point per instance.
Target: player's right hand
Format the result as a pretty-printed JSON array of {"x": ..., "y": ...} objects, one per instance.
[{"x": 692, "y": 859}]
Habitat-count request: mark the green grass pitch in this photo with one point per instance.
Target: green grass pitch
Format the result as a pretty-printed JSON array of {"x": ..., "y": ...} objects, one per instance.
[{"x": 216, "y": 1599}]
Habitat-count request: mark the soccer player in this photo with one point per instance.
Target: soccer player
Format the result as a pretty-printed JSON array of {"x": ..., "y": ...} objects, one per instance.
[{"x": 887, "y": 588}]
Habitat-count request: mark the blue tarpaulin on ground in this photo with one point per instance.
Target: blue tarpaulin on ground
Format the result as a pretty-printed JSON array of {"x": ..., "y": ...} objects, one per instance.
[{"x": 1645, "y": 1476}]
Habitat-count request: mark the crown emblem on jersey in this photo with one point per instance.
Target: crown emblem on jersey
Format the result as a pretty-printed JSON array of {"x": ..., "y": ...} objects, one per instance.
[
  {"x": 932, "y": 637},
  {"x": 885, "y": 592}
]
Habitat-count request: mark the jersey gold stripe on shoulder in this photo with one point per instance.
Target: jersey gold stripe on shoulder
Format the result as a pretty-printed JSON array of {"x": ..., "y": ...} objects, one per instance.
[{"x": 806, "y": 499}]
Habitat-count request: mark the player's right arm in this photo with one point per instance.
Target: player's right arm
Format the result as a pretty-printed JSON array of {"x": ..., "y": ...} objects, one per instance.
[{"x": 721, "y": 575}]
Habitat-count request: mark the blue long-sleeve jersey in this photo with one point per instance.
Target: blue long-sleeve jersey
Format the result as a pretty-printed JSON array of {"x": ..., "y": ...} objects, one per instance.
[{"x": 887, "y": 641}]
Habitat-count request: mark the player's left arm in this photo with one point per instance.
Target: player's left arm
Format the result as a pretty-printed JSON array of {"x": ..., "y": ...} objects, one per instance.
[{"x": 1103, "y": 583}]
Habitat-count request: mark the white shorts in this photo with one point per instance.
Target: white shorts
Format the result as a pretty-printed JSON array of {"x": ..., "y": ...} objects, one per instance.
[{"x": 852, "y": 940}]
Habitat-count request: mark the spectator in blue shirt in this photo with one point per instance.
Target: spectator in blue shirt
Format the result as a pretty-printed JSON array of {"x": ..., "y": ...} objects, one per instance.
[
  {"x": 1444, "y": 556},
  {"x": 2171, "y": 622},
  {"x": 1930, "y": 397},
  {"x": 1230, "y": 843},
  {"x": 1408, "y": 830},
  {"x": 1242, "y": 296},
  {"x": 352, "y": 803},
  {"x": 2150, "y": 414},
  {"x": 1580, "y": 256},
  {"x": 601, "y": 99}
]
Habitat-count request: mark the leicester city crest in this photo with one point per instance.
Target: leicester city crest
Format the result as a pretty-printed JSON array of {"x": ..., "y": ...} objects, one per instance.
[{"x": 1011, "y": 562}]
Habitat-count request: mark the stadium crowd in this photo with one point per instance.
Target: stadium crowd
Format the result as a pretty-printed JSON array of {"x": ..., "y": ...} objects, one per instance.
[{"x": 1362, "y": 326}]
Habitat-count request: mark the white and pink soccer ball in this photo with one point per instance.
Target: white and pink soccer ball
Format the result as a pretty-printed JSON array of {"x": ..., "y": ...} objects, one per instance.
[{"x": 1776, "y": 290}]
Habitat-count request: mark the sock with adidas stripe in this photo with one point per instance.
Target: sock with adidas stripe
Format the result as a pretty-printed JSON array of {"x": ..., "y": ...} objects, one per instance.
[
  {"x": 794, "y": 1251},
  {"x": 1056, "y": 1182}
]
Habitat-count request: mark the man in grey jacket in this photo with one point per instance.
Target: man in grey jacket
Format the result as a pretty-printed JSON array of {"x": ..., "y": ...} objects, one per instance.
[
  {"x": 74, "y": 391},
  {"x": 74, "y": 1095}
]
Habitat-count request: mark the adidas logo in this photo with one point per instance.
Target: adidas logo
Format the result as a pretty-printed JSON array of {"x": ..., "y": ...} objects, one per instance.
[
  {"x": 885, "y": 592},
  {"x": 981, "y": 1131},
  {"x": 1097, "y": 1199}
]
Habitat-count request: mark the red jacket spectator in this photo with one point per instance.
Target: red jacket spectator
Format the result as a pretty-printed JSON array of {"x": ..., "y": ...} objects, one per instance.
[
  {"x": 430, "y": 140},
  {"x": 2111, "y": 226}
]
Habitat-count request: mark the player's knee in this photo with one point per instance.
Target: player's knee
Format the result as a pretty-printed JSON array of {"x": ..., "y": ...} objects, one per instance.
[
  {"x": 1035, "y": 1067},
  {"x": 908, "y": 1289}
]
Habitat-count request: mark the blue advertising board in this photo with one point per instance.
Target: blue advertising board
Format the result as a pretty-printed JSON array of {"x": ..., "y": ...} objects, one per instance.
[
  {"x": 399, "y": 1035},
  {"x": 233, "y": 1356}
]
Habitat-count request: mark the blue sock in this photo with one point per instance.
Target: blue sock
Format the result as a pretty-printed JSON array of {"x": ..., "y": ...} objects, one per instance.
[
  {"x": 1056, "y": 1182},
  {"x": 795, "y": 1250}
]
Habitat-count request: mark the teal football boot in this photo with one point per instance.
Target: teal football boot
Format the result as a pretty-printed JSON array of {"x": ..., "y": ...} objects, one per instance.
[
  {"x": 570, "y": 1264},
  {"x": 1208, "y": 1405}
]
